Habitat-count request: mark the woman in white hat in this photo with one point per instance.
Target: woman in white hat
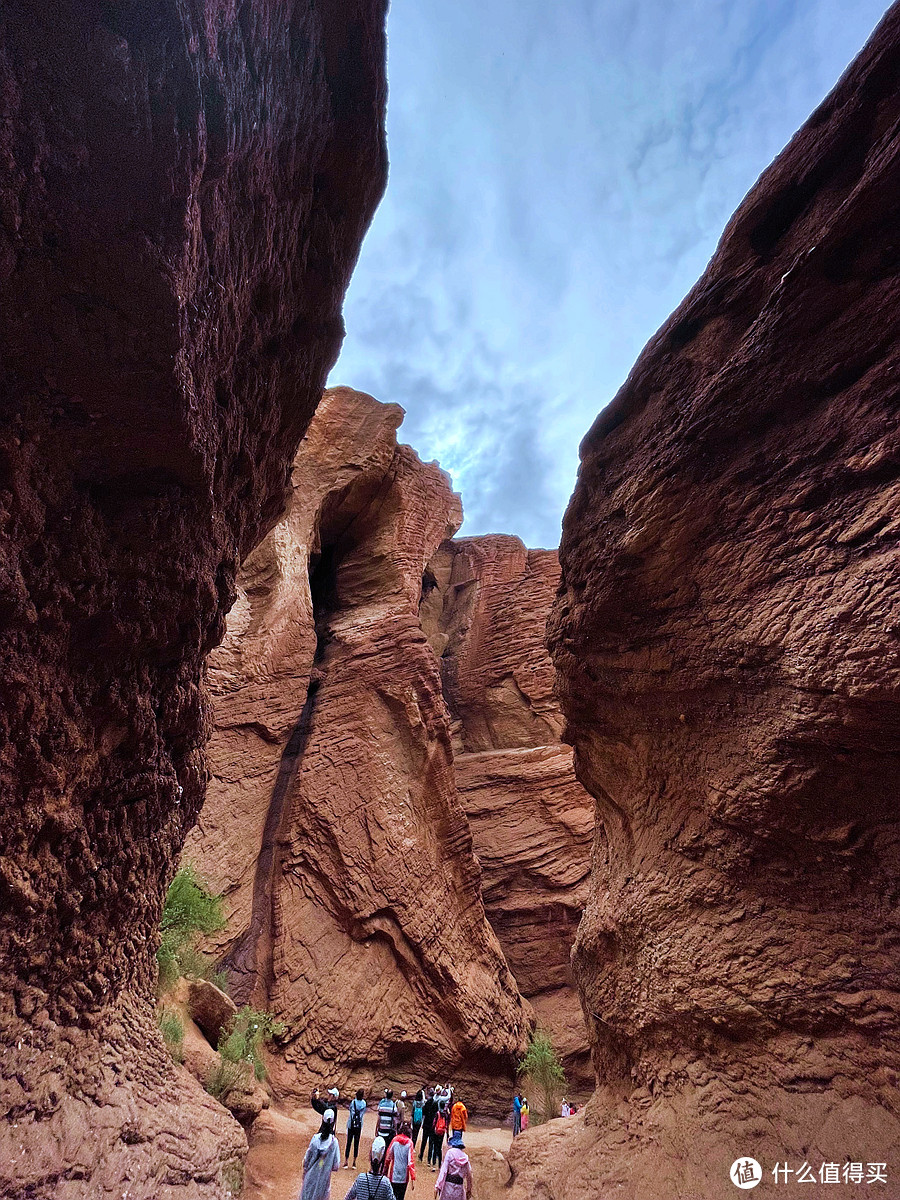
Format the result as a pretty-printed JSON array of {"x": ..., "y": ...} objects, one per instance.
[
  {"x": 372, "y": 1185},
  {"x": 321, "y": 1159}
]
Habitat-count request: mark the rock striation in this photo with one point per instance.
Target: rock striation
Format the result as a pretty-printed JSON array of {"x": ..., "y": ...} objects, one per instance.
[
  {"x": 726, "y": 642},
  {"x": 183, "y": 191},
  {"x": 333, "y": 822},
  {"x": 532, "y": 823}
]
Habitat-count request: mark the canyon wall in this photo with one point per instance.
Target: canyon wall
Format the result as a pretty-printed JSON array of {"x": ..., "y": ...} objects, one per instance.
[
  {"x": 183, "y": 192},
  {"x": 726, "y": 640},
  {"x": 368, "y": 740},
  {"x": 485, "y": 609},
  {"x": 333, "y": 823}
]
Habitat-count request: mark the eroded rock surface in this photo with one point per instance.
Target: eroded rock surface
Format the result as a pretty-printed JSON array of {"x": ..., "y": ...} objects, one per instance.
[
  {"x": 532, "y": 823},
  {"x": 183, "y": 192},
  {"x": 333, "y": 821},
  {"x": 726, "y": 640}
]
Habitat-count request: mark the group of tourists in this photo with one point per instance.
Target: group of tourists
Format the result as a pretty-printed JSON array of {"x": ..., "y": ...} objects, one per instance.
[{"x": 432, "y": 1114}]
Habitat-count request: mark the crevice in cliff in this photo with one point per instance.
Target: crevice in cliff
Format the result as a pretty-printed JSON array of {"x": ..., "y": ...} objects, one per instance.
[{"x": 250, "y": 961}]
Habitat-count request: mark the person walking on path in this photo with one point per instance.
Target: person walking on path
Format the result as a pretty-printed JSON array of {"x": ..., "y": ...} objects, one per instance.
[
  {"x": 417, "y": 1116},
  {"x": 436, "y": 1139},
  {"x": 371, "y": 1184},
  {"x": 429, "y": 1112},
  {"x": 459, "y": 1118},
  {"x": 321, "y": 1159},
  {"x": 455, "y": 1179},
  {"x": 354, "y": 1126},
  {"x": 517, "y": 1114},
  {"x": 400, "y": 1164}
]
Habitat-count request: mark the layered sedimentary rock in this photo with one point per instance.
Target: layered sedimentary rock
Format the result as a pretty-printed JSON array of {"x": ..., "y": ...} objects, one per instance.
[
  {"x": 726, "y": 640},
  {"x": 532, "y": 823},
  {"x": 333, "y": 822},
  {"x": 183, "y": 191}
]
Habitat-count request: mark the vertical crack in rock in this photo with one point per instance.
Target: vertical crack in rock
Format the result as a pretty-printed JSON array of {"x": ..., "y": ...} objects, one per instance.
[{"x": 385, "y": 958}]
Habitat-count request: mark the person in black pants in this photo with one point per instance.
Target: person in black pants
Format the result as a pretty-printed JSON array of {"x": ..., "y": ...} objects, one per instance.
[
  {"x": 436, "y": 1137},
  {"x": 429, "y": 1108},
  {"x": 354, "y": 1126}
]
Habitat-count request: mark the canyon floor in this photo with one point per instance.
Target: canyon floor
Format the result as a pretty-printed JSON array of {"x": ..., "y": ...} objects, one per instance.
[{"x": 274, "y": 1169}]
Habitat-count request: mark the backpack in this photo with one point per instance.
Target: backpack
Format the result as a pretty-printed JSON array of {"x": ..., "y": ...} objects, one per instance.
[
  {"x": 386, "y": 1117},
  {"x": 440, "y": 1123},
  {"x": 355, "y": 1116},
  {"x": 417, "y": 1114}
]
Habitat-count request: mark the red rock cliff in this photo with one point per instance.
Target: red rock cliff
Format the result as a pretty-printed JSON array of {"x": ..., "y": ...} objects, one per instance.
[
  {"x": 333, "y": 821},
  {"x": 532, "y": 822},
  {"x": 183, "y": 192},
  {"x": 726, "y": 641}
]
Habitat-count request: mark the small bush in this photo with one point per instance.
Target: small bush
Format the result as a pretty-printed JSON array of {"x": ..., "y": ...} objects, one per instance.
[
  {"x": 233, "y": 1179},
  {"x": 190, "y": 909},
  {"x": 221, "y": 981},
  {"x": 171, "y": 1027},
  {"x": 544, "y": 1070},
  {"x": 242, "y": 1039},
  {"x": 223, "y": 1076}
]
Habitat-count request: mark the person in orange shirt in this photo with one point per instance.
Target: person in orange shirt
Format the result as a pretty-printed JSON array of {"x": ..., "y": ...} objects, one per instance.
[{"x": 459, "y": 1118}]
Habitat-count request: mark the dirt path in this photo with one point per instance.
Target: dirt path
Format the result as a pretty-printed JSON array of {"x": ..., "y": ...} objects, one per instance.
[{"x": 278, "y": 1143}]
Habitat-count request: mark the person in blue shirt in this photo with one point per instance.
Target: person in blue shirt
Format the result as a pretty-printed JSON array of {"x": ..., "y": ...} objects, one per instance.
[{"x": 517, "y": 1114}]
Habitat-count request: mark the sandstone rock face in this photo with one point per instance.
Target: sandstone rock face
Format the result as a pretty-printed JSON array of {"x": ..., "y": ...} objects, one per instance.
[
  {"x": 183, "y": 191},
  {"x": 726, "y": 640},
  {"x": 532, "y": 822},
  {"x": 333, "y": 821}
]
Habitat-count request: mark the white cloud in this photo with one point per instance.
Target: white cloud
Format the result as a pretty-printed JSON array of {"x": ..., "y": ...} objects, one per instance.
[{"x": 560, "y": 175}]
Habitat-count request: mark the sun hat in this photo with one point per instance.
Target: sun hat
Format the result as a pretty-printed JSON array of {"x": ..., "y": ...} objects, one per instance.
[
  {"x": 333, "y": 1092},
  {"x": 378, "y": 1148},
  {"x": 328, "y": 1115},
  {"x": 456, "y": 1139}
]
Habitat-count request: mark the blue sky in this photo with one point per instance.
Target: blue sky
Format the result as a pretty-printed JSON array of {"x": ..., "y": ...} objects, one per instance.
[{"x": 560, "y": 175}]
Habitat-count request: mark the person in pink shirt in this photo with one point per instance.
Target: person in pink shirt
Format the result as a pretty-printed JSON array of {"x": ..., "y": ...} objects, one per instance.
[{"x": 454, "y": 1181}]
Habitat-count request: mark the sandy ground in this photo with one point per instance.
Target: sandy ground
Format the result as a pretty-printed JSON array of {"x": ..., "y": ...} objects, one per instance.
[{"x": 278, "y": 1143}]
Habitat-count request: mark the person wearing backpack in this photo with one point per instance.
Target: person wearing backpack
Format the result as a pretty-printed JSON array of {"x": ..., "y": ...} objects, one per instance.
[
  {"x": 321, "y": 1159},
  {"x": 429, "y": 1112},
  {"x": 354, "y": 1126},
  {"x": 372, "y": 1185},
  {"x": 417, "y": 1116},
  {"x": 400, "y": 1164},
  {"x": 436, "y": 1139},
  {"x": 386, "y": 1121}
]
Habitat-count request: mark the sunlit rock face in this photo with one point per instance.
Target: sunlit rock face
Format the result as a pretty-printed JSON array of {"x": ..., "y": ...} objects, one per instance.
[
  {"x": 183, "y": 192},
  {"x": 485, "y": 607},
  {"x": 726, "y": 641},
  {"x": 333, "y": 822}
]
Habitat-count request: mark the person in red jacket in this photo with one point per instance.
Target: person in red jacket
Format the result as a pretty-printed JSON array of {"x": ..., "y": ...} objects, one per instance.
[{"x": 400, "y": 1165}]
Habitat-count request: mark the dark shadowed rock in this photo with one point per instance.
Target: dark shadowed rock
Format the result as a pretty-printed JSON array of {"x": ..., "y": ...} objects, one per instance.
[
  {"x": 183, "y": 191},
  {"x": 726, "y": 639}
]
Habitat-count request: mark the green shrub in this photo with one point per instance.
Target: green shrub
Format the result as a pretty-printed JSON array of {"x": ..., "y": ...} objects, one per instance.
[
  {"x": 223, "y": 1076},
  {"x": 542, "y": 1068},
  {"x": 171, "y": 1027},
  {"x": 233, "y": 1178},
  {"x": 190, "y": 909},
  {"x": 243, "y": 1037}
]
